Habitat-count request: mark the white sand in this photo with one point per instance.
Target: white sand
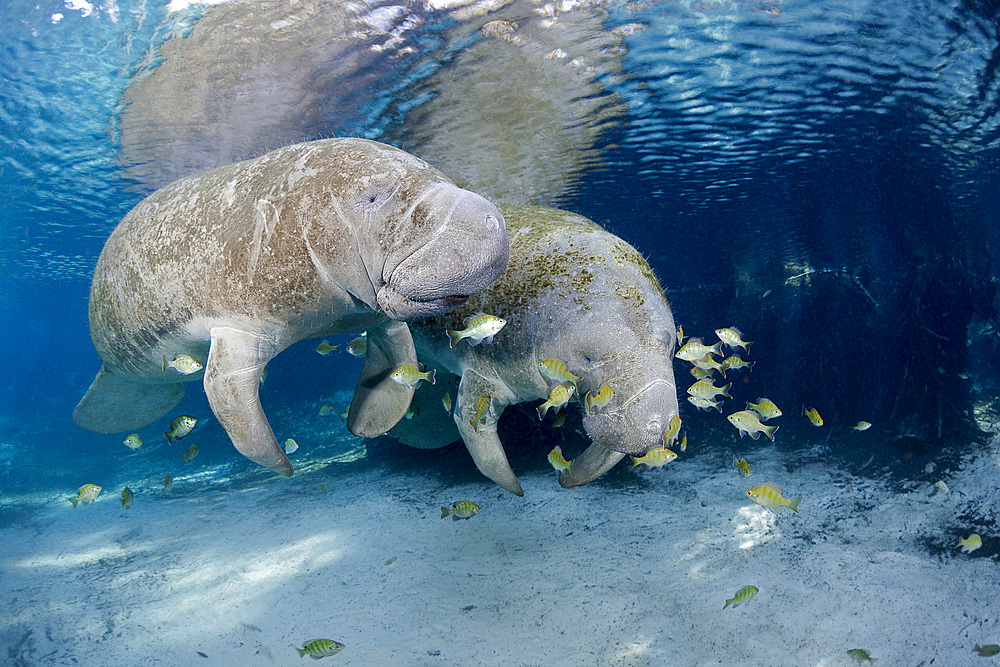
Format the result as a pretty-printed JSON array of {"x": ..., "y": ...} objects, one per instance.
[{"x": 608, "y": 574}]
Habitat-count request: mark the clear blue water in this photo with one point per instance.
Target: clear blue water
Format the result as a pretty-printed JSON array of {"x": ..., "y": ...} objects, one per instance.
[{"x": 823, "y": 175}]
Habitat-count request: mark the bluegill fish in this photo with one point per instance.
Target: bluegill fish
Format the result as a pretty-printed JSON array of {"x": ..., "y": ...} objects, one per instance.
[
  {"x": 409, "y": 375},
  {"x": 709, "y": 363},
  {"x": 813, "y": 416},
  {"x": 324, "y": 410},
  {"x": 749, "y": 423},
  {"x": 765, "y": 407},
  {"x": 861, "y": 655},
  {"x": 483, "y": 405},
  {"x": 180, "y": 427},
  {"x": 733, "y": 337},
  {"x": 986, "y": 650},
  {"x": 132, "y": 441},
  {"x": 558, "y": 397},
  {"x": 558, "y": 461},
  {"x": 680, "y": 335},
  {"x": 970, "y": 543},
  {"x": 184, "y": 364},
  {"x": 705, "y": 389},
  {"x": 695, "y": 348},
  {"x": 654, "y": 458},
  {"x": 446, "y": 402},
  {"x": 358, "y": 347},
  {"x": 769, "y": 495},
  {"x": 325, "y": 348},
  {"x": 672, "y": 431},
  {"x": 741, "y": 465},
  {"x": 319, "y": 648},
  {"x": 478, "y": 328},
  {"x": 291, "y": 446},
  {"x": 190, "y": 453},
  {"x": 599, "y": 399},
  {"x": 85, "y": 494},
  {"x": 705, "y": 404},
  {"x": 700, "y": 373},
  {"x": 745, "y": 594},
  {"x": 862, "y": 426},
  {"x": 732, "y": 361},
  {"x": 684, "y": 442},
  {"x": 168, "y": 482},
  {"x": 127, "y": 497},
  {"x": 557, "y": 370},
  {"x": 462, "y": 509}
]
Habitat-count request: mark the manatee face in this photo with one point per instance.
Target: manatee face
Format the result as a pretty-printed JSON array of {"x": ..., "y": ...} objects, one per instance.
[
  {"x": 638, "y": 423},
  {"x": 463, "y": 249}
]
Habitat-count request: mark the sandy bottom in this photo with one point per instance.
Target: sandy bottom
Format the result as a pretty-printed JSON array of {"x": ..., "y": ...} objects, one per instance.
[{"x": 633, "y": 570}]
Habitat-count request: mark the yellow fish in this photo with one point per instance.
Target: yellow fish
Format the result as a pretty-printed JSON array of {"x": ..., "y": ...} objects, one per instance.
[
  {"x": 733, "y": 337},
  {"x": 446, "y": 402},
  {"x": 168, "y": 482},
  {"x": 127, "y": 497},
  {"x": 741, "y": 465},
  {"x": 556, "y": 369},
  {"x": 191, "y": 452},
  {"x": 558, "y": 461},
  {"x": 343, "y": 415},
  {"x": 599, "y": 399},
  {"x": 320, "y": 648},
  {"x": 358, "y": 346},
  {"x": 769, "y": 495},
  {"x": 85, "y": 494},
  {"x": 705, "y": 404},
  {"x": 970, "y": 543},
  {"x": 708, "y": 363},
  {"x": 324, "y": 410},
  {"x": 695, "y": 348},
  {"x": 478, "y": 328},
  {"x": 861, "y": 655},
  {"x": 672, "y": 431},
  {"x": 180, "y": 427},
  {"x": 749, "y": 423},
  {"x": 184, "y": 364},
  {"x": 462, "y": 509},
  {"x": 733, "y": 361},
  {"x": 654, "y": 458},
  {"x": 558, "y": 398},
  {"x": 745, "y": 594},
  {"x": 291, "y": 446},
  {"x": 325, "y": 348},
  {"x": 680, "y": 335},
  {"x": 700, "y": 373},
  {"x": 263, "y": 374},
  {"x": 705, "y": 389},
  {"x": 483, "y": 406},
  {"x": 684, "y": 442},
  {"x": 409, "y": 375},
  {"x": 765, "y": 408},
  {"x": 986, "y": 650},
  {"x": 132, "y": 441},
  {"x": 813, "y": 416},
  {"x": 862, "y": 426}
]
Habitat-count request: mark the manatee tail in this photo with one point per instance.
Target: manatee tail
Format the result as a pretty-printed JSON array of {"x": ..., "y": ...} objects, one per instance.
[{"x": 113, "y": 404}]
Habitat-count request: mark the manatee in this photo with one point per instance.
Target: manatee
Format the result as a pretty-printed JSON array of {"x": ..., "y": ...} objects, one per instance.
[
  {"x": 575, "y": 292},
  {"x": 233, "y": 265}
]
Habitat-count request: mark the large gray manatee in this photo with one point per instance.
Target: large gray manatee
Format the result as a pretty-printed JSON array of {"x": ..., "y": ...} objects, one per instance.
[
  {"x": 575, "y": 292},
  {"x": 233, "y": 265}
]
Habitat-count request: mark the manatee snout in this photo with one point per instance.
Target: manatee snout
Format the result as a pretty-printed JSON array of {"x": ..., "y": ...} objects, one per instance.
[
  {"x": 465, "y": 255},
  {"x": 638, "y": 423}
]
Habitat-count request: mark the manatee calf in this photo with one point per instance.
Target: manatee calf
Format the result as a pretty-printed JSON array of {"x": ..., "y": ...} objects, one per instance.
[
  {"x": 233, "y": 265},
  {"x": 575, "y": 292}
]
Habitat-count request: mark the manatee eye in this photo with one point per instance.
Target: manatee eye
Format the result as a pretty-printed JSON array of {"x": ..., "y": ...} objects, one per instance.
[{"x": 492, "y": 223}]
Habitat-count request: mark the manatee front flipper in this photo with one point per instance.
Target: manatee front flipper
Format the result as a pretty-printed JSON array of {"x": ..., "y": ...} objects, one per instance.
[
  {"x": 379, "y": 401},
  {"x": 594, "y": 462},
  {"x": 113, "y": 404},
  {"x": 483, "y": 442},
  {"x": 232, "y": 378}
]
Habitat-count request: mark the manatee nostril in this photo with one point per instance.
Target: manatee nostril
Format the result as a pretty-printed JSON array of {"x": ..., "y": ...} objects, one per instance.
[
  {"x": 654, "y": 426},
  {"x": 492, "y": 223}
]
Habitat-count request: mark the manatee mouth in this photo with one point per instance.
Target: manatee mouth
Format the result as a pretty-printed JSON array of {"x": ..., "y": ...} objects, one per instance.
[{"x": 400, "y": 306}]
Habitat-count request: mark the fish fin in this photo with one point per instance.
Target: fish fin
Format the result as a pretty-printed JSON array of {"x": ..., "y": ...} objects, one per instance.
[
  {"x": 793, "y": 504},
  {"x": 379, "y": 402},
  {"x": 717, "y": 349},
  {"x": 74, "y": 501},
  {"x": 473, "y": 341},
  {"x": 772, "y": 485},
  {"x": 777, "y": 509},
  {"x": 170, "y": 438},
  {"x": 433, "y": 374},
  {"x": 164, "y": 368},
  {"x": 455, "y": 336},
  {"x": 445, "y": 512},
  {"x": 113, "y": 404},
  {"x": 769, "y": 430},
  {"x": 232, "y": 385},
  {"x": 455, "y": 517},
  {"x": 484, "y": 445},
  {"x": 725, "y": 390},
  {"x": 754, "y": 435},
  {"x": 718, "y": 408},
  {"x": 488, "y": 339}
]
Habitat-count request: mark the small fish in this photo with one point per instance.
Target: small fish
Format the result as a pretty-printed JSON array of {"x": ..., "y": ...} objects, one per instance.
[
  {"x": 291, "y": 446},
  {"x": 558, "y": 461},
  {"x": 741, "y": 465},
  {"x": 733, "y": 337},
  {"x": 708, "y": 363},
  {"x": 180, "y": 427},
  {"x": 483, "y": 406},
  {"x": 127, "y": 497},
  {"x": 941, "y": 486},
  {"x": 672, "y": 431},
  {"x": 986, "y": 650},
  {"x": 358, "y": 346},
  {"x": 559, "y": 420},
  {"x": 970, "y": 543},
  {"x": 705, "y": 389},
  {"x": 749, "y": 423},
  {"x": 202, "y": 654},
  {"x": 411, "y": 413},
  {"x": 319, "y": 648},
  {"x": 344, "y": 415},
  {"x": 409, "y": 375},
  {"x": 862, "y": 426},
  {"x": 695, "y": 348},
  {"x": 325, "y": 348},
  {"x": 700, "y": 373},
  {"x": 654, "y": 458},
  {"x": 132, "y": 441},
  {"x": 558, "y": 398},
  {"x": 191, "y": 452},
  {"x": 765, "y": 408},
  {"x": 85, "y": 494},
  {"x": 184, "y": 364},
  {"x": 321, "y": 488},
  {"x": 446, "y": 402},
  {"x": 769, "y": 495},
  {"x": 680, "y": 335},
  {"x": 813, "y": 416},
  {"x": 263, "y": 374},
  {"x": 745, "y": 594},
  {"x": 684, "y": 442},
  {"x": 861, "y": 655},
  {"x": 324, "y": 410},
  {"x": 705, "y": 404},
  {"x": 461, "y": 509},
  {"x": 391, "y": 561},
  {"x": 478, "y": 328},
  {"x": 598, "y": 399},
  {"x": 556, "y": 369},
  {"x": 733, "y": 361},
  {"x": 168, "y": 482}
]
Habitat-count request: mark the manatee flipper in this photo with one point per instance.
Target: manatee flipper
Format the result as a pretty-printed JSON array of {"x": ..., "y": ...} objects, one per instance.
[
  {"x": 483, "y": 442},
  {"x": 379, "y": 401},
  {"x": 113, "y": 404},
  {"x": 594, "y": 462},
  {"x": 432, "y": 425},
  {"x": 232, "y": 378}
]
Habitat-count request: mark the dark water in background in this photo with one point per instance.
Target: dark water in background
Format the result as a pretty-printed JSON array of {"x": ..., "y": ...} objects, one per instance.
[{"x": 822, "y": 175}]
